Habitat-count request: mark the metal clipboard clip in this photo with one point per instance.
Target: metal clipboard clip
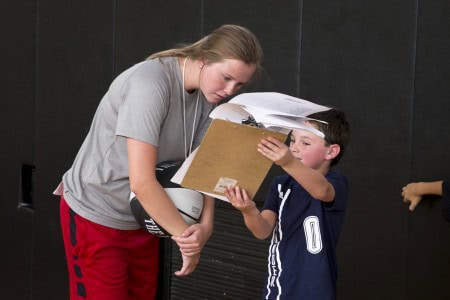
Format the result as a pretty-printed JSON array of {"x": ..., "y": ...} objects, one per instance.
[{"x": 250, "y": 121}]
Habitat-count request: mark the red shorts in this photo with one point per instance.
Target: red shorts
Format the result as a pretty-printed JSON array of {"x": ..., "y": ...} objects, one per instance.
[{"x": 108, "y": 263}]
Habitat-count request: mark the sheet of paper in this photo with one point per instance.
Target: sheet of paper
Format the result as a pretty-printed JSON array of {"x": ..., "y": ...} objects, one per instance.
[
  {"x": 182, "y": 170},
  {"x": 278, "y": 103},
  {"x": 274, "y": 121},
  {"x": 230, "y": 112},
  {"x": 274, "y": 111}
]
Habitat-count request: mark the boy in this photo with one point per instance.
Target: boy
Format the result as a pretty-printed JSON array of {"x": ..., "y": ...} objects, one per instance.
[{"x": 304, "y": 210}]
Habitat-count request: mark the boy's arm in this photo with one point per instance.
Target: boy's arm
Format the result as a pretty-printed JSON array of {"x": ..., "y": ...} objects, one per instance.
[
  {"x": 261, "y": 224},
  {"x": 313, "y": 181}
]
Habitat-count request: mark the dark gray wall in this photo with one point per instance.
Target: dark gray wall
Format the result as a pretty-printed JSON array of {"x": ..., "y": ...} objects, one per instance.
[
  {"x": 17, "y": 135},
  {"x": 386, "y": 63}
]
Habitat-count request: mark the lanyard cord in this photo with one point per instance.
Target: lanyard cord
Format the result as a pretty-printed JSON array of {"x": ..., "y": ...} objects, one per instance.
[{"x": 186, "y": 153}]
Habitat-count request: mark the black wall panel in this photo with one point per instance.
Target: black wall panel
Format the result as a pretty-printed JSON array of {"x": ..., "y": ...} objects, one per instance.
[
  {"x": 386, "y": 63},
  {"x": 278, "y": 28},
  {"x": 232, "y": 265},
  {"x": 359, "y": 56},
  {"x": 75, "y": 51},
  {"x": 17, "y": 73},
  {"x": 428, "y": 233},
  {"x": 145, "y": 27}
]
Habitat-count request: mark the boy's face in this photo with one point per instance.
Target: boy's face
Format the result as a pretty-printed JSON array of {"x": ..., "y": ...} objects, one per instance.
[{"x": 309, "y": 148}]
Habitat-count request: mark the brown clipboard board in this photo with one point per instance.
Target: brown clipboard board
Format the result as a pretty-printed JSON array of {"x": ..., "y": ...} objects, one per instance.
[{"x": 228, "y": 156}]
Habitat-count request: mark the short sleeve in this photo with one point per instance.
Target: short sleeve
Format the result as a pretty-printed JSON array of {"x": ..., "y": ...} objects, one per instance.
[
  {"x": 340, "y": 185},
  {"x": 144, "y": 105},
  {"x": 271, "y": 202}
]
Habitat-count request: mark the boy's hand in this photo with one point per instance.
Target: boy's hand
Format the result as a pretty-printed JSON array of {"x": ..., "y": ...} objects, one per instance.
[
  {"x": 276, "y": 151},
  {"x": 239, "y": 199},
  {"x": 411, "y": 194}
]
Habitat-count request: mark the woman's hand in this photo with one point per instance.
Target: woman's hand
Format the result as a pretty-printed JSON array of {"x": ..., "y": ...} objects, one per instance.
[
  {"x": 189, "y": 264},
  {"x": 193, "y": 239}
]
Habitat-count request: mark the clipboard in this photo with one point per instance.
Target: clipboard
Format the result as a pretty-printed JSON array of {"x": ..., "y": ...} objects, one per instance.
[{"x": 228, "y": 156}]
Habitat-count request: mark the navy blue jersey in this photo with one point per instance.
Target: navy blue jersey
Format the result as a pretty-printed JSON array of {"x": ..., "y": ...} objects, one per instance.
[{"x": 302, "y": 253}]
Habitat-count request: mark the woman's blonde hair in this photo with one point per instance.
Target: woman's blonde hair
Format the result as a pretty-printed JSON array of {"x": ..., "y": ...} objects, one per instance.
[{"x": 225, "y": 42}]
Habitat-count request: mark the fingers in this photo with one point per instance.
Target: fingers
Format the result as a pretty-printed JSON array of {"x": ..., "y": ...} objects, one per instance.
[
  {"x": 232, "y": 193},
  {"x": 189, "y": 265},
  {"x": 273, "y": 141},
  {"x": 245, "y": 196},
  {"x": 189, "y": 231},
  {"x": 266, "y": 148},
  {"x": 189, "y": 248},
  {"x": 410, "y": 196},
  {"x": 267, "y": 145},
  {"x": 188, "y": 245},
  {"x": 236, "y": 196},
  {"x": 190, "y": 252},
  {"x": 192, "y": 240},
  {"x": 185, "y": 270},
  {"x": 237, "y": 192},
  {"x": 405, "y": 199},
  {"x": 275, "y": 151}
]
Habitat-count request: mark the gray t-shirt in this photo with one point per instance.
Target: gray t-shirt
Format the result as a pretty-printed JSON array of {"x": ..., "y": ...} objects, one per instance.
[{"x": 145, "y": 103}]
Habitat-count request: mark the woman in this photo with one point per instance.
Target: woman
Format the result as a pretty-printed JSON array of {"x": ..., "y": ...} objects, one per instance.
[{"x": 155, "y": 111}]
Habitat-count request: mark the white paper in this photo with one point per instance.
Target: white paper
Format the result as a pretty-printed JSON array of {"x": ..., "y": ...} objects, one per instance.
[
  {"x": 274, "y": 111},
  {"x": 220, "y": 197},
  {"x": 278, "y": 103},
  {"x": 182, "y": 170},
  {"x": 230, "y": 112}
]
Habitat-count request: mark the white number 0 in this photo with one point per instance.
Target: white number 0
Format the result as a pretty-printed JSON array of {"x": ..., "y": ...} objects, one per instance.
[{"x": 312, "y": 234}]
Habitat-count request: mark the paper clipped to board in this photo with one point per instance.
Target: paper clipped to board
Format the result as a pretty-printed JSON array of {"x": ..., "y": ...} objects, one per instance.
[{"x": 228, "y": 153}]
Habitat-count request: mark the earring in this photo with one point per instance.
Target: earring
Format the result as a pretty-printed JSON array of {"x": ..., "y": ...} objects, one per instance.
[{"x": 201, "y": 67}]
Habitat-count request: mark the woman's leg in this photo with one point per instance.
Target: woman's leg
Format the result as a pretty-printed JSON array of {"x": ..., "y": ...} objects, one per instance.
[{"x": 97, "y": 258}]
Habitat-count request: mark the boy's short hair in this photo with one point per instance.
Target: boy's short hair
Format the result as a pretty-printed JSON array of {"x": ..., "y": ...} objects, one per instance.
[{"x": 337, "y": 131}]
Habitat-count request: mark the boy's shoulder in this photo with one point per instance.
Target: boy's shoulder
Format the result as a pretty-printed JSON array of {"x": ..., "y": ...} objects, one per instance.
[
  {"x": 333, "y": 173},
  {"x": 282, "y": 179}
]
